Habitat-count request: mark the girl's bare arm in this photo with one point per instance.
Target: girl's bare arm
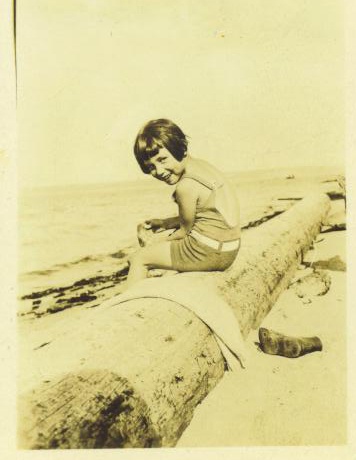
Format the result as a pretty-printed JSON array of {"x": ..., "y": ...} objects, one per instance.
[
  {"x": 171, "y": 222},
  {"x": 187, "y": 196}
]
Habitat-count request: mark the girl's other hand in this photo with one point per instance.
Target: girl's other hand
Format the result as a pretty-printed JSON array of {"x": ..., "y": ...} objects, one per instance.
[{"x": 154, "y": 224}]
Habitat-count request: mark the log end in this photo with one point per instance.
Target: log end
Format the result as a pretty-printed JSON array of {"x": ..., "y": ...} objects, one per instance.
[{"x": 91, "y": 409}]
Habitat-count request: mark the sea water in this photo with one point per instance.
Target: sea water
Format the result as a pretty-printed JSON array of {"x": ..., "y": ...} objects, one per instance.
[{"x": 63, "y": 225}]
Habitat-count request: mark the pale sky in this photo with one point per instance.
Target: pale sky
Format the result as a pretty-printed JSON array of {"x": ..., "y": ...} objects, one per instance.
[{"x": 254, "y": 84}]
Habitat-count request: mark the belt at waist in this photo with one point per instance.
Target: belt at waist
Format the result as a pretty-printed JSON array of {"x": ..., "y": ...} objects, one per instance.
[{"x": 215, "y": 244}]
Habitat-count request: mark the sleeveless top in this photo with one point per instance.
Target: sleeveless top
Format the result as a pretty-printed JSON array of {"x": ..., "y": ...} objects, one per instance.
[{"x": 208, "y": 219}]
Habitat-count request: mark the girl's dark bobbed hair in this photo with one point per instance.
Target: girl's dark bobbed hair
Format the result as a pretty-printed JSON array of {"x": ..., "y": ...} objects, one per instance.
[{"x": 158, "y": 134}]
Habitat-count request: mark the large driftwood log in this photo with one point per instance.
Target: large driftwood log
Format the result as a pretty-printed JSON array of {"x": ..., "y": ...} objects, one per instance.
[{"x": 131, "y": 376}]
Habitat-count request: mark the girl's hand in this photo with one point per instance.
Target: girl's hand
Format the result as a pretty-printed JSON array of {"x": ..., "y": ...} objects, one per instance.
[
  {"x": 145, "y": 234},
  {"x": 154, "y": 224}
]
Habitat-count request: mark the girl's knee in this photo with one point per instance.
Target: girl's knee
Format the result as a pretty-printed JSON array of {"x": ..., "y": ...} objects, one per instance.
[
  {"x": 137, "y": 258},
  {"x": 134, "y": 258},
  {"x": 151, "y": 257}
]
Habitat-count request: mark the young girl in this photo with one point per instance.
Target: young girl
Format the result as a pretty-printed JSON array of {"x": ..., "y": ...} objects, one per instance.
[{"x": 208, "y": 235}]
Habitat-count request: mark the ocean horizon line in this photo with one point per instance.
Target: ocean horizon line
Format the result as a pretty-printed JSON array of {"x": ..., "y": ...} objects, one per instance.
[{"x": 146, "y": 180}]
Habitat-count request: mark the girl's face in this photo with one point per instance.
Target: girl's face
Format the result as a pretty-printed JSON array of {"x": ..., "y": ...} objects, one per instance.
[{"x": 165, "y": 167}]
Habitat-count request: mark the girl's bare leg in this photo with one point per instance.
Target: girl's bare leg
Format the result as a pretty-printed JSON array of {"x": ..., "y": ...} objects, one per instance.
[{"x": 155, "y": 256}]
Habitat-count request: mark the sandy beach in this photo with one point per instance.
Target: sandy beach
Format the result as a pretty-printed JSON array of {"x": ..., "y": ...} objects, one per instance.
[
  {"x": 275, "y": 401},
  {"x": 279, "y": 401}
]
